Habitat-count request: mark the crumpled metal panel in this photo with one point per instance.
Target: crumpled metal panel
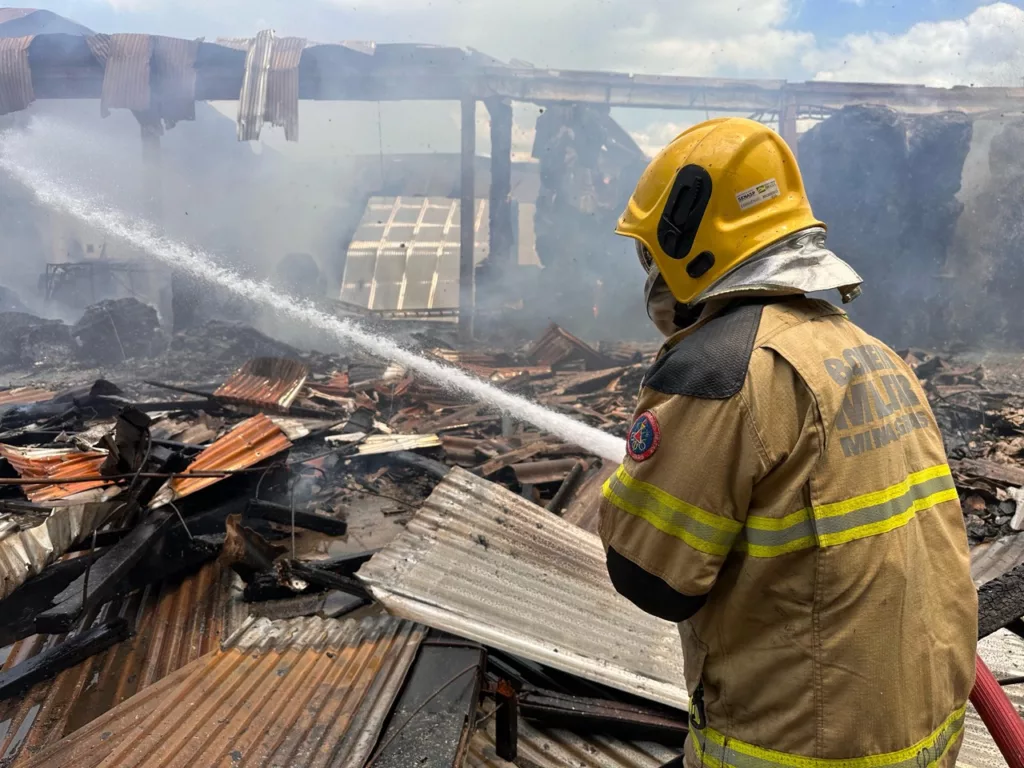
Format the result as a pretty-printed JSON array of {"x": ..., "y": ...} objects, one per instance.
[
  {"x": 126, "y": 59},
  {"x": 562, "y": 749},
  {"x": 175, "y": 623},
  {"x": 557, "y": 345},
  {"x": 24, "y": 396},
  {"x": 15, "y": 75},
  {"x": 282, "y": 107},
  {"x": 483, "y": 563},
  {"x": 30, "y": 541},
  {"x": 252, "y": 99},
  {"x": 248, "y": 443},
  {"x": 375, "y": 444},
  {"x": 265, "y": 382},
  {"x": 992, "y": 559},
  {"x": 301, "y": 693},
  {"x": 54, "y": 464},
  {"x": 174, "y": 78},
  {"x": 405, "y": 253}
]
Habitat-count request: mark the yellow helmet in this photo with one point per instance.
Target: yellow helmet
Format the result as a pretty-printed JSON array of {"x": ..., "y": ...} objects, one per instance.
[{"x": 717, "y": 194}]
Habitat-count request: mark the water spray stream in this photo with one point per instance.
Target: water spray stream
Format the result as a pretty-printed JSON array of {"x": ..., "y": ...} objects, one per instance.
[{"x": 57, "y": 194}]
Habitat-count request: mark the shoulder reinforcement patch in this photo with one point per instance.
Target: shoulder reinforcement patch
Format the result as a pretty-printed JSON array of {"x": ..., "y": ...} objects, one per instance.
[{"x": 710, "y": 363}]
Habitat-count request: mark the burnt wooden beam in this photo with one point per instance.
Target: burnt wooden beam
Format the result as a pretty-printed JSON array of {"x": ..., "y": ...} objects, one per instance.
[
  {"x": 100, "y": 582},
  {"x": 72, "y": 651},
  {"x": 284, "y": 515},
  {"x": 1000, "y": 602},
  {"x": 433, "y": 719},
  {"x": 628, "y": 721}
]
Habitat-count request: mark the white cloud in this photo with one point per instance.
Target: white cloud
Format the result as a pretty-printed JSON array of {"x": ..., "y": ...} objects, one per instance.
[{"x": 984, "y": 48}]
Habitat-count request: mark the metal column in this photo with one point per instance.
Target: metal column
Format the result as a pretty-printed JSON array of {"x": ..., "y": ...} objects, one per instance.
[
  {"x": 467, "y": 210},
  {"x": 502, "y": 238},
  {"x": 787, "y": 121}
]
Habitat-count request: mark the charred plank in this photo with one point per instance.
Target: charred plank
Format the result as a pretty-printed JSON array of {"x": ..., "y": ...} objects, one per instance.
[
  {"x": 285, "y": 515},
  {"x": 74, "y": 650}
]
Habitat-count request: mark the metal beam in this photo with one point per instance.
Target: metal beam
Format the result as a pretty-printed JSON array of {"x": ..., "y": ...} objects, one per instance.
[
  {"x": 63, "y": 67},
  {"x": 467, "y": 214}
]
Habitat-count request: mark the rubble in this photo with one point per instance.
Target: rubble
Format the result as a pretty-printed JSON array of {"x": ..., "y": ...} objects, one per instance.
[
  {"x": 117, "y": 330},
  {"x": 305, "y": 493},
  {"x": 27, "y": 341}
]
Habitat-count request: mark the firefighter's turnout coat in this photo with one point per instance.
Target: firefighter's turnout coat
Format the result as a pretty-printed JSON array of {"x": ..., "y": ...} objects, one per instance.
[{"x": 786, "y": 489}]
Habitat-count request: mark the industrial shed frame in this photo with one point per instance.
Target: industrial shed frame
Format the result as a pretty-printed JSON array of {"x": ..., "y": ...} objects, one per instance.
[{"x": 63, "y": 67}]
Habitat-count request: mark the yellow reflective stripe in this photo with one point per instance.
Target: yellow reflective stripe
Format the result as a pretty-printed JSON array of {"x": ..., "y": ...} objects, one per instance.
[
  {"x": 698, "y": 528},
  {"x": 716, "y": 750},
  {"x": 880, "y": 497},
  {"x": 868, "y": 514}
]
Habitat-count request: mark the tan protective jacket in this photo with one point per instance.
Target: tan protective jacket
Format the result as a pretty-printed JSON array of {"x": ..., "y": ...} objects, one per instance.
[{"x": 787, "y": 465}]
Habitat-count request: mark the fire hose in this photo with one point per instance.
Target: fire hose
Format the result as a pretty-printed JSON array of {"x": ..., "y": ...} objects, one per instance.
[{"x": 1001, "y": 718}]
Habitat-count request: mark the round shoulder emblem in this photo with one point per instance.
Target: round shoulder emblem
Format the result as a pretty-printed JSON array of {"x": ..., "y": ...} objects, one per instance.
[{"x": 644, "y": 437}]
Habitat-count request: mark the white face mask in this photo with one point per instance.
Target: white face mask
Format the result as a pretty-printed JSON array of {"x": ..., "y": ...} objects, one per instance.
[{"x": 662, "y": 307}]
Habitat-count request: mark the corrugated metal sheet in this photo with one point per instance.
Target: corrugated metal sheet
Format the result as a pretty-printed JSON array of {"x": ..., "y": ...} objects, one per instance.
[
  {"x": 405, "y": 253},
  {"x": 583, "y": 509},
  {"x": 557, "y": 345},
  {"x": 253, "y": 98},
  {"x": 483, "y": 563},
  {"x": 304, "y": 692},
  {"x": 562, "y": 749},
  {"x": 265, "y": 382},
  {"x": 53, "y": 464},
  {"x": 992, "y": 559},
  {"x": 15, "y": 75},
  {"x": 24, "y": 396},
  {"x": 174, "y": 77},
  {"x": 547, "y": 471},
  {"x": 126, "y": 59},
  {"x": 389, "y": 443},
  {"x": 248, "y": 443},
  {"x": 1003, "y": 652},
  {"x": 282, "y": 108},
  {"x": 31, "y": 541},
  {"x": 175, "y": 623}
]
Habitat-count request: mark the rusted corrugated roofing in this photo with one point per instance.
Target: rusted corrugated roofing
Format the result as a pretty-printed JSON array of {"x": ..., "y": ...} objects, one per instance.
[
  {"x": 583, "y": 509},
  {"x": 15, "y": 75},
  {"x": 31, "y": 540},
  {"x": 265, "y": 382},
  {"x": 304, "y": 692},
  {"x": 126, "y": 59},
  {"x": 283, "y": 85},
  {"x": 248, "y": 443},
  {"x": 547, "y": 471},
  {"x": 562, "y": 749},
  {"x": 24, "y": 395},
  {"x": 175, "y": 623},
  {"x": 53, "y": 464},
  {"x": 557, "y": 346},
  {"x": 174, "y": 77},
  {"x": 483, "y": 563}
]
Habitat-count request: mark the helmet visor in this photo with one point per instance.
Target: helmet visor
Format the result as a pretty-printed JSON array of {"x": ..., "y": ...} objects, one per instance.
[{"x": 646, "y": 259}]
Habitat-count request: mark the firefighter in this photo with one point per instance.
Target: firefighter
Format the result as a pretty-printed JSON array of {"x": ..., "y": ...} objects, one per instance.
[{"x": 785, "y": 497}]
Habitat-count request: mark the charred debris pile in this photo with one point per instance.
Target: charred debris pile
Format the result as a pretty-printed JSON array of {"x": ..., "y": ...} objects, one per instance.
[{"x": 338, "y": 563}]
